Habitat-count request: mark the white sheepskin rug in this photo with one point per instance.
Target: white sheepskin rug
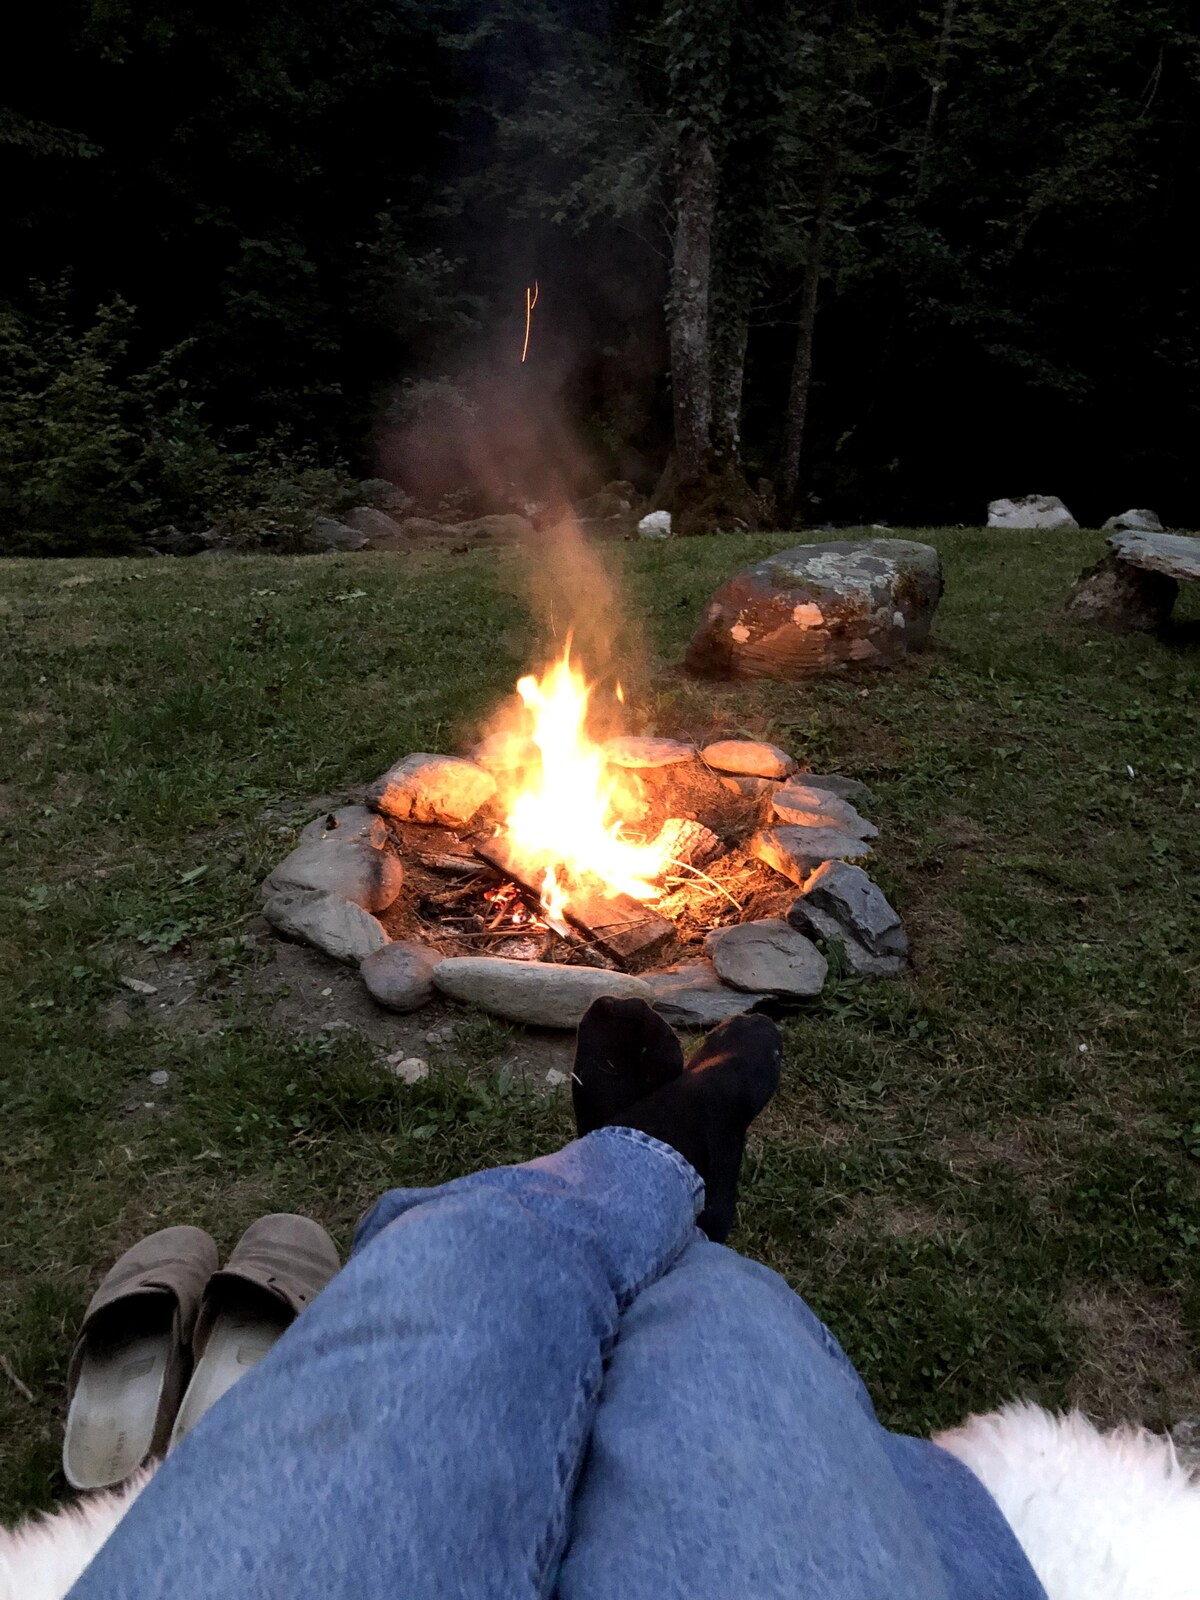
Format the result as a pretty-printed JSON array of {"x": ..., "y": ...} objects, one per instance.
[
  {"x": 1101, "y": 1516},
  {"x": 42, "y": 1558}
]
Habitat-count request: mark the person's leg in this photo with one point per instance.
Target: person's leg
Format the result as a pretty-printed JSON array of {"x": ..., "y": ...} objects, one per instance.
[
  {"x": 735, "y": 1451},
  {"x": 419, "y": 1430}
]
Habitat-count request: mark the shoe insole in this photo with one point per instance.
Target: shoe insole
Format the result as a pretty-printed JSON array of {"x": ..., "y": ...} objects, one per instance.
[
  {"x": 244, "y": 1330},
  {"x": 110, "y": 1423}
]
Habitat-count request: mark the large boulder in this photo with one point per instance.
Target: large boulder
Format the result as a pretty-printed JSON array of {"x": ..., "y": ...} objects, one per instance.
[
  {"x": 1143, "y": 521},
  {"x": 327, "y": 533},
  {"x": 817, "y": 607},
  {"x": 1030, "y": 511},
  {"x": 381, "y": 531},
  {"x": 1135, "y": 588}
]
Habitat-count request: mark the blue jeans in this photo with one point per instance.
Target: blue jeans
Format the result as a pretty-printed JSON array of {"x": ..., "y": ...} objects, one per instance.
[{"x": 542, "y": 1380}]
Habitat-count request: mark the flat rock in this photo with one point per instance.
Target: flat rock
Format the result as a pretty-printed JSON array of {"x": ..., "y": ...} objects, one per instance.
[
  {"x": 350, "y": 824},
  {"x": 381, "y": 531},
  {"x": 691, "y": 995},
  {"x": 859, "y": 905},
  {"x": 432, "y": 788},
  {"x": 751, "y": 788},
  {"x": 817, "y": 607},
  {"x": 797, "y": 851},
  {"x": 1030, "y": 511},
  {"x": 629, "y": 751},
  {"x": 338, "y": 927},
  {"x": 400, "y": 976},
  {"x": 767, "y": 957},
  {"x": 542, "y": 994},
  {"x": 836, "y": 783},
  {"x": 1174, "y": 555},
  {"x": 818, "y": 924},
  {"x": 1125, "y": 595},
  {"x": 751, "y": 758},
  {"x": 327, "y": 533},
  {"x": 798, "y": 802},
  {"x": 1143, "y": 521},
  {"x": 372, "y": 878}
]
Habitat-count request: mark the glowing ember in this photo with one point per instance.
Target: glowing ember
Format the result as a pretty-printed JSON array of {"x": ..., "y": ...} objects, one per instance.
[
  {"x": 531, "y": 299},
  {"x": 560, "y": 813}
]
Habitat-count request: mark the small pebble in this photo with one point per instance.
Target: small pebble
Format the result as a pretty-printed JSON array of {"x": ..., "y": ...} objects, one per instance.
[
  {"x": 555, "y": 1078},
  {"x": 139, "y": 986},
  {"x": 160, "y": 1079},
  {"x": 326, "y": 992},
  {"x": 411, "y": 1070}
]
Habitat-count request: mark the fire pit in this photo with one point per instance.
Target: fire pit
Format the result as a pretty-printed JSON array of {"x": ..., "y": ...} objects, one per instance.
[{"x": 556, "y": 865}]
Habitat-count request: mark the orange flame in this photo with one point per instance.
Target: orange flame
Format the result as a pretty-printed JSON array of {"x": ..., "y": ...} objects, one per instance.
[
  {"x": 560, "y": 812},
  {"x": 531, "y": 299}
]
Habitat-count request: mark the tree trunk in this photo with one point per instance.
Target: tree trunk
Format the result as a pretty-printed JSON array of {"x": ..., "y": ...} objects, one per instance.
[
  {"x": 691, "y": 268},
  {"x": 728, "y": 377},
  {"x": 802, "y": 367}
]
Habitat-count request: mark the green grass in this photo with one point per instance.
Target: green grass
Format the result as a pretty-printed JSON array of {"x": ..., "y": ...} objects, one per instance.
[{"x": 977, "y": 1205}]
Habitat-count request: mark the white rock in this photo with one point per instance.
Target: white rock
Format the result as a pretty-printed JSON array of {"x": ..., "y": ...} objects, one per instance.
[
  {"x": 139, "y": 986},
  {"x": 409, "y": 1070},
  {"x": 655, "y": 525},
  {"x": 1134, "y": 522},
  {"x": 160, "y": 1079},
  {"x": 339, "y": 927},
  {"x": 752, "y": 757},
  {"x": 1030, "y": 511},
  {"x": 555, "y": 1078},
  {"x": 767, "y": 957},
  {"x": 432, "y": 788},
  {"x": 544, "y": 994}
]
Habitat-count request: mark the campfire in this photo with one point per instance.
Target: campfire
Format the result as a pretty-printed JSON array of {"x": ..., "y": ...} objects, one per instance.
[{"x": 576, "y": 860}]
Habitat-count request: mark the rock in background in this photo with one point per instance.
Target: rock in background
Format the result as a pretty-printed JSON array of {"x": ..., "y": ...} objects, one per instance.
[
  {"x": 817, "y": 607},
  {"x": 1030, "y": 511}
]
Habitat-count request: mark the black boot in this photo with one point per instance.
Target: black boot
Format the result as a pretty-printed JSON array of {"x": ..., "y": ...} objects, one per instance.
[{"x": 624, "y": 1051}]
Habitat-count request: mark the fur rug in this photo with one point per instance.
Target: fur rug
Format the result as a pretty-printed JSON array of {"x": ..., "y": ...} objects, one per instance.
[{"x": 1101, "y": 1516}]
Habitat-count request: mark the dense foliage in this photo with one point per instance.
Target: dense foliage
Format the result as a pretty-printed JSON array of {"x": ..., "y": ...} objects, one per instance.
[{"x": 896, "y": 262}]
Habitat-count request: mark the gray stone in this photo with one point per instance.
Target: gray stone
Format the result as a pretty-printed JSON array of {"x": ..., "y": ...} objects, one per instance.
[
  {"x": 432, "y": 788},
  {"x": 1030, "y": 511},
  {"x": 767, "y": 957},
  {"x": 818, "y": 924},
  {"x": 160, "y": 1079},
  {"x": 845, "y": 788},
  {"x": 628, "y": 751},
  {"x": 327, "y": 533},
  {"x": 797, "y": 852},
  {"x": 1134, "y": 522},
  {"x": 379, "y": 530},
  {"x": 541, "y": 993},
  {"x": 371, "y": 878},
  {"x": 350, "y": 824},
  {"x": 400, "y": 976},
  {"x": 817, "y": 607},
  {"x": 691, "y": 995},
  {"x": 797, "y": 802},
  {"x": 339, "y": 927},
  {"x": 1122, "y": 594},
  {"x": 859, "y": 905},
  {"x": 555, "y": 1078},
  {"x": 752, "y": 788},
  {"x": 1174, "y": 555},
  {"x": 751, "y": 758}
]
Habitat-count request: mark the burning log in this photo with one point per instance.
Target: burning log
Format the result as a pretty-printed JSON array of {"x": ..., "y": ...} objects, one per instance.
[
  {"x": 688, "y": 843},
  {"x": 621, "y": 926}
]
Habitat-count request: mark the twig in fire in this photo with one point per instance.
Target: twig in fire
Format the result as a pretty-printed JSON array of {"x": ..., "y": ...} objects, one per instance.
[{"x": 718, "y": 887}]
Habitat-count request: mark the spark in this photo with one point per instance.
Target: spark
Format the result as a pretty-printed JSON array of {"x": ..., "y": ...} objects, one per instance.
[{"x": 531, "y": 299}]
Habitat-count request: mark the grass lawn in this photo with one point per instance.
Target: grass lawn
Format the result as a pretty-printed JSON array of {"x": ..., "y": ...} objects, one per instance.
[{"x": 984, "y": 1176}]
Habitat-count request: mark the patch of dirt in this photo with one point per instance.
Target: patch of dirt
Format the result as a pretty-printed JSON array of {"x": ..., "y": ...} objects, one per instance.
[{"x": 1135, "y": 1347}]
